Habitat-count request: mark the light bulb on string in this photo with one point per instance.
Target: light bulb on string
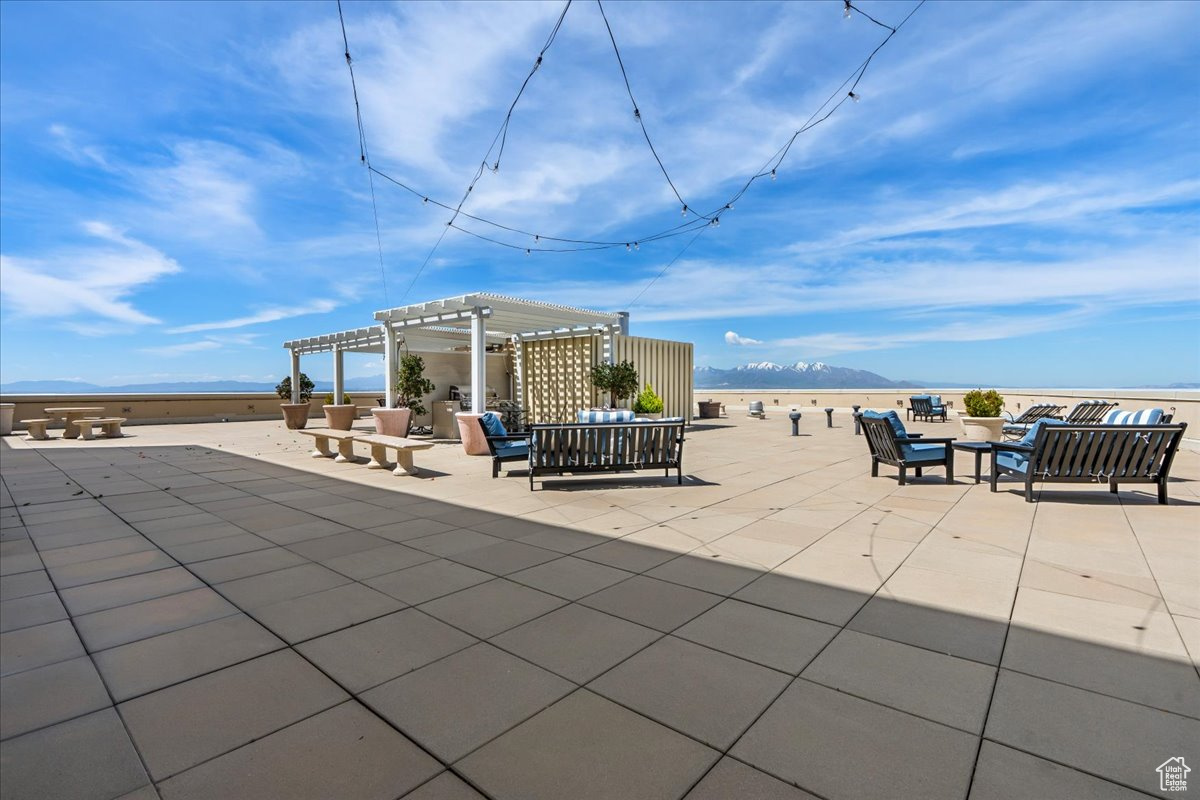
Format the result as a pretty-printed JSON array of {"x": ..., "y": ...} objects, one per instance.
[
  {"x": 636, "y": 247},
  {"x": 683, "y": 213},
  {"x": 716, "y": 222},
  {"x": 627, "y": 247},
  {"x": 425, "y": 200},
  {"x": 729, "y": 206},
  {"x": 526, "y": 251},
  {"x": 846, "y": 10},
  {"x": 536, "y": 238},
  {"x": 855, "y": 97},
  {"x": 772, "y": 174}
]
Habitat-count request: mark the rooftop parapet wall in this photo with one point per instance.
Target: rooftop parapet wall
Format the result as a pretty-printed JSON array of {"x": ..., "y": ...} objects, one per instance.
[{"x": 1185, "y": 402}]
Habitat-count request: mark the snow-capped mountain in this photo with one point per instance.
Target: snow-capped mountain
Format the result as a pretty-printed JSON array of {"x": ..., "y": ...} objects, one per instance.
[{"x": 801, "y": 375}]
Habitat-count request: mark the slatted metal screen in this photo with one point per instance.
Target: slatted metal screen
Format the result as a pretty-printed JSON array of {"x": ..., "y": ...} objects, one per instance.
[{"x": 666, "y": 365}]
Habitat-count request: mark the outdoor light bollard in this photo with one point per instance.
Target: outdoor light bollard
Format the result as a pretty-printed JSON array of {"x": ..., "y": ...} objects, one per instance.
[
  {"x": 829, "y": 418},
  {"x": 857, "y": 422},
  {"x": 795, "y": 418}
]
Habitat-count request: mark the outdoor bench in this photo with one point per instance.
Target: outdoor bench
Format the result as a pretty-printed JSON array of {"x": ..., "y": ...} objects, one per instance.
[
  {"x": 1112, "y": 454},
  {"x": 381, "y": 443},
  {"x": 556, "y": 449},
  {"x": 111, "y": 426},
  {"x": 37, "y": 427}
]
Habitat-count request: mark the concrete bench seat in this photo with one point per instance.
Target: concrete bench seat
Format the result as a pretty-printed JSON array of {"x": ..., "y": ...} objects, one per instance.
[
  {"x": 381, "y": 443},
  {"x": 110, "y": 425},
  {"x": 345, "y": 440},
  {"x": 37, "y": 427}
]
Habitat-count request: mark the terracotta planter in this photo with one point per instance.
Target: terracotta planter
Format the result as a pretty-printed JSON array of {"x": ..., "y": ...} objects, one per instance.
[
  {"x": 295, "y": 415},
  {"x": 710, "y": 409},
  {"x": 982, "y": 429},
  {"x": 469, "y": 430},
  {"x": 392, "y": 421},
  {"x": 340, "y": 417}
]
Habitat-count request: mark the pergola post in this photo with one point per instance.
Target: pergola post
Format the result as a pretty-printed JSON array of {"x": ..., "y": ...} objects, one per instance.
[
  {"x": 295, "y": 377},
  {"x": 478, "y": 362},
  {"x": 623, "y": 323},
  {"x": 390, "y": 351},
  {"x": 339, "y": 382}
]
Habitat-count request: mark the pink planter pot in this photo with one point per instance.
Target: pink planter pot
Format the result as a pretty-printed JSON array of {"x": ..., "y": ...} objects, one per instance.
[
  {"x": 392, "y": 421},
  {"x": 471, "y": 433},
  {"x": 340, "y": 417}
]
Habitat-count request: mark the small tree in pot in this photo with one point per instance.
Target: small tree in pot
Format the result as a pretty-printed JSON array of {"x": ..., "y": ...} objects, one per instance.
[
  {"x": 619, "y": 380},
  {"x": 648, "y": 403},
  {"x": 982, "y": 422},
  {"x": 411, "y": 388},
  {"x": 295, "y": 415}
]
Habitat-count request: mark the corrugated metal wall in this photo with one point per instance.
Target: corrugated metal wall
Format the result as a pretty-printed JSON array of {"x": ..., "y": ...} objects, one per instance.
[
  {"x": 556, "y": 374},
  {"x": 666, "y": 365}
]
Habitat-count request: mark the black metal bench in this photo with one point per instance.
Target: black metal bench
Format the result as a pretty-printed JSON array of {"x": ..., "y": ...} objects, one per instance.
[
  {"x": 557, "y": 449},
  {"x": 1112, "y": 454}
]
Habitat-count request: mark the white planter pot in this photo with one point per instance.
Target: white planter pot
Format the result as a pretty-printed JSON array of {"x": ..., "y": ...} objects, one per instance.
[
  {"x": 982, "y": 429},
  {"x": 6, "y": 418}
]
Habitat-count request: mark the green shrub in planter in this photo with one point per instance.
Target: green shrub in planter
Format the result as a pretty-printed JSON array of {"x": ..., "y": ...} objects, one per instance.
[
  {"x": 983, "y": 404},
  {"x": 284, "y": 388},
  {"x": 329, "y": 399},
  {"x": 648, "y": 402},
  {"x": 619, "y": 380}
]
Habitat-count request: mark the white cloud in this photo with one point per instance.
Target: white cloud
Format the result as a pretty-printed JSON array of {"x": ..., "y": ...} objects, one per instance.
[
  {"x": 183, "y": 349},
  {"x": 94, "y": 280},
  {"x": 259, "y": 317},
  {"x": 740, "y": 341}
]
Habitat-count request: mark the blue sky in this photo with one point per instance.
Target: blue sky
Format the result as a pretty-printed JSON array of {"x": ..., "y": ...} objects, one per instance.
[{"x": 1014, "y": 200}]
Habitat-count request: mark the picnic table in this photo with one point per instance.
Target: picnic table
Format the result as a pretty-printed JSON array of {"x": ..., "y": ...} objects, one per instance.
[{"x": 72, "y": 413}]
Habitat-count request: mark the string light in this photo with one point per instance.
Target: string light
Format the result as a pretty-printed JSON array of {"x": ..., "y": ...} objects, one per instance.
[
  {"x": 627, "y": 247},
  {"x": 846, "y": 10},
  {"x": 701, "y": 221}
]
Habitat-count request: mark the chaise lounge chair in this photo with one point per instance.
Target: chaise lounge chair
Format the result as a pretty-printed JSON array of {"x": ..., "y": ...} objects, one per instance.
[
  {"x": 1090, "y": 412},
  {"x": 1016, "y": 428}
]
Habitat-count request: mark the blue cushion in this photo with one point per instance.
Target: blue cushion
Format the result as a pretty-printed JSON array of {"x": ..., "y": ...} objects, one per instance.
[
  {"x": 1031, "y": 435},
  {"x": 1146, "y": 416},
  {"x": 919, "y": 397},
  {"x": 917, "y": 453},
  {"x": 1014, "y": 461},
  {"x": 512, "y": 449},
  {"x": 893, "y": 419},
  {"x": 492, "y": 424},
  {"x": 936, "y": 399}
]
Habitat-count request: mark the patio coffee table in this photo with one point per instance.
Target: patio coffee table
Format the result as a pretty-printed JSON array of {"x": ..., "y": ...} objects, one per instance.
[{"x": 978, "y": 448}]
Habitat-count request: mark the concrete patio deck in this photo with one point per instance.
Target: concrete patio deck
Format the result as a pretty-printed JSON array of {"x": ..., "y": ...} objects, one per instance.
[{"x": 204, "y": 611}]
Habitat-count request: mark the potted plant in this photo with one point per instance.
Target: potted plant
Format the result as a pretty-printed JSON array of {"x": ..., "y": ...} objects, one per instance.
[
  {"x": 982, "y": 421},
  {"x": 648, "y": 404},
  {"x": 339, "y": 416},
  {"x": 619, "y": 380},
  {"x": 411, "y": 388},
  {"x": 295, "y": 415}
]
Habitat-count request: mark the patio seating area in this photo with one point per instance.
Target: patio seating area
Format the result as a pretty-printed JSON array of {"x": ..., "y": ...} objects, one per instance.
[{"x": 206, "y": 611}]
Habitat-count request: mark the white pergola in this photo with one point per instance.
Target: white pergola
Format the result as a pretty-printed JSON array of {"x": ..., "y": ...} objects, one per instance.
[{"x": 438, "y": 324}]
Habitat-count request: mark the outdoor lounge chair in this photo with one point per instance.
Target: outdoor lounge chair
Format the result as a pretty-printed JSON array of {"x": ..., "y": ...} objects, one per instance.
[
  {"x": 1017, "y": 427},
  {"x": 890, "y": 443},
  {"x": 925, "y": 406},
  {"x": 1055, "y": 452},
  {"x": 502, "y": 445},
  {"x": 1090, "y": 412}
]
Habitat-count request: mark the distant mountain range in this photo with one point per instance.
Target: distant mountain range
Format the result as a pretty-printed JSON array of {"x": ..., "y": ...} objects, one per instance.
[
  {"x": 373, "y": 385},
  {"x": 801, "y": 375}
]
